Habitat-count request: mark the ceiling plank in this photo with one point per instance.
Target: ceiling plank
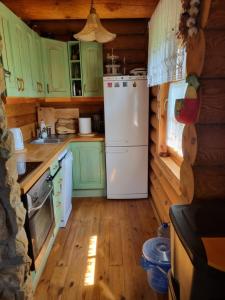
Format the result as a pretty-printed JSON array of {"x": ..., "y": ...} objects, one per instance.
[
  {"x": 69, "y": 27},
  {"x": 79, "y": 9}
]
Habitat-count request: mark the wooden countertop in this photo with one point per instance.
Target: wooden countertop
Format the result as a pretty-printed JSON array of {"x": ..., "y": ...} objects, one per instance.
[
  {"x": 46, "y": 153},
  {"x": 215, "y": 250}
]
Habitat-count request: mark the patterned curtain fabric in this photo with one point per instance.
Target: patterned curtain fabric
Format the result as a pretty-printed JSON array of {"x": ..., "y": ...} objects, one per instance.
[{"x": 166, "y": 55}]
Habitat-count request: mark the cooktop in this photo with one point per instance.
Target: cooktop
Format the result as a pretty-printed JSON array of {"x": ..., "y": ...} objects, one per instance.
[{"x": 25, "y": 168}]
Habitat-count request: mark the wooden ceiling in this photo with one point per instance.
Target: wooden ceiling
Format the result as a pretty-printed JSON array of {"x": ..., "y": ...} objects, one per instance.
[{"x": 79, "y": 9}]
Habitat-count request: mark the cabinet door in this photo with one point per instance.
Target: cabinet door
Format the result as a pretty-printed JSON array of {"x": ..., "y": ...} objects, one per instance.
[
  {"x": 22, "y": 39},
  {"x": 9, "y": 62},
  {"x": 28, "y": 58},
  {"x": 39, "y": 75},
  {"x": 92, "y": 69},
  {"x": 56, "y": 69},
  {"x": 88, "y": 165},
  {"x": 36, "y": 65}
]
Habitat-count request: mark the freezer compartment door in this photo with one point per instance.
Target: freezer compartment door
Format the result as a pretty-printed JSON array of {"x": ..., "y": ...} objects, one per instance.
[
  {"x": 126, "y": 105},
  {"x": 127, "y": 172}
]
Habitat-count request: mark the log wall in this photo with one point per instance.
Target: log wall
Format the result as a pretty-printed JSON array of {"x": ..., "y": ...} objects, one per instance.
[
  {"x": 23, "y": 116},
  {"x": 131, "y": 41},
  {"x": 164, "y": 172},
  {"x": 202, "y": 172}
]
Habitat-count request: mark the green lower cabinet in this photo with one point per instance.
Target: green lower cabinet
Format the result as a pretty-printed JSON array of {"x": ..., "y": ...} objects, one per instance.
[{"x": 89, "y": 178}]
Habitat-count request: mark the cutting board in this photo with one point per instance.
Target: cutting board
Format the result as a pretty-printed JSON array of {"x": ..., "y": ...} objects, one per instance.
[
  {"x": 47, "y": 114},
  {"x": 66, "y": 113}
]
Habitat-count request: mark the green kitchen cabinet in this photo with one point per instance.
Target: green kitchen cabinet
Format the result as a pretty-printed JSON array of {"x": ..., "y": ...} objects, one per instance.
[
  {"x": 88, "y": 166},
  {"x": 38, "y": 86},
  {"x": 17, "y": 54},
  {"x": 56, "y": 68},
  {"x": 10, "y": 53},
  {"x": 92, "y": 69}
]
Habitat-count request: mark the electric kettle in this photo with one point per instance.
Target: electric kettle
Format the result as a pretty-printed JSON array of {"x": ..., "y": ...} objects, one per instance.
[{"x": 18, "y": 138}]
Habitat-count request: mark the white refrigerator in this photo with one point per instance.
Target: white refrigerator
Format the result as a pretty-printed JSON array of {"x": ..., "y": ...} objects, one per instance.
[{"x": 126, "y": 107}]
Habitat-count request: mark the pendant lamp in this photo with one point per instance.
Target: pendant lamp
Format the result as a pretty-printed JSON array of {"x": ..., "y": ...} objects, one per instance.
[{"x": 93, "y": 29}]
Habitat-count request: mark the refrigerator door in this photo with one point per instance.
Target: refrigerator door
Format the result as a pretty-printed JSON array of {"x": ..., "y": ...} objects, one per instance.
[
  {"x": 127, "y": 172},
  {"x": 126, "y": 104}
]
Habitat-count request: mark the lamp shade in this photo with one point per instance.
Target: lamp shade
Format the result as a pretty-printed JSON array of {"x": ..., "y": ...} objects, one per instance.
[{"x": 94, "y": 31}]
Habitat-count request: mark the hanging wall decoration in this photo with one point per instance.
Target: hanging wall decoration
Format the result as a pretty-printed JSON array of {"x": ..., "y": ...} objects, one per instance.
[
  {"x": 187, "y": 109},
  {"x": 189, "y": 20}
]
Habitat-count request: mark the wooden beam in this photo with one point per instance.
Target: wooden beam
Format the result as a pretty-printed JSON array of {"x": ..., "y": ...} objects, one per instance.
[
  {"x": 69, "y": 27},
  {"x": 79, "y": 9}
]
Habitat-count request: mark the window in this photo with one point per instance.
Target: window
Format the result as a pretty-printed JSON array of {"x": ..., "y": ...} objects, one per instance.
[{"x": 174, "y": 129}]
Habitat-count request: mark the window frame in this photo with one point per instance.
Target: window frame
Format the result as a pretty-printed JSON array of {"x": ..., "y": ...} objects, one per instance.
[{"x": 163, "y": 149}]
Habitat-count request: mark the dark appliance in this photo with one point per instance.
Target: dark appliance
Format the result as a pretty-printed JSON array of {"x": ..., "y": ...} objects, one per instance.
[
  {"x": 194, "y": 275},
  {"x": 40, "y": 220}
]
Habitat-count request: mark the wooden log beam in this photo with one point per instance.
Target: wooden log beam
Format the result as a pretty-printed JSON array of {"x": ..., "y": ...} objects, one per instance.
[
  {"x": 153, "y": 149},
  {"x": 160, "y": 199},
  {"x": 212, "y": 14},
  {"x": 154, "y": 122},
  {"x": 196, "y": 54},
  {"x": 155, "y": 90},
  {"x": 166, "y": 185},
  {"x": 200, "y": 183},
  {"x": 171, "y": 171},
  {"x": 153, "y": 136},
  {"x": 212, "y": 95},
  {"x": 154, "y": 105},
  {"x": 214, "y": 66},
  {"x": 203, "y": 145}
]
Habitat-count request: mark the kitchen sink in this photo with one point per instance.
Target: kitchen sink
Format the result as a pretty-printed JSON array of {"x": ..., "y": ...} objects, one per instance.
[
  {"x": 46, "y": 141},
  {"x": 53, "y": 139}
]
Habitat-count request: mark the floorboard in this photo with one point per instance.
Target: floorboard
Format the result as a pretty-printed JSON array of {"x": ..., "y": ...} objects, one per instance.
[{"x": 97, "y": 255}]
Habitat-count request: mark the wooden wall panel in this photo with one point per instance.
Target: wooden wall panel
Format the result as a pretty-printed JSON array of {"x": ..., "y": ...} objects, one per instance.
[{"x": 23, "y": 116}]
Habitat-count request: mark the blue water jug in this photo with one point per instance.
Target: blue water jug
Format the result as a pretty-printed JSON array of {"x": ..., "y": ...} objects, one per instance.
[{"x": 156, "y": 260}]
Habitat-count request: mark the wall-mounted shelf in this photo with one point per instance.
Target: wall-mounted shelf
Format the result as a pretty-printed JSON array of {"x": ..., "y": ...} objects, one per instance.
[{"x": 75, "y": 68}]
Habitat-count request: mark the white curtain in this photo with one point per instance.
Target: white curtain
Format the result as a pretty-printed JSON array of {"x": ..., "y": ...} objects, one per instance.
[{"x": 166, "y": 55}]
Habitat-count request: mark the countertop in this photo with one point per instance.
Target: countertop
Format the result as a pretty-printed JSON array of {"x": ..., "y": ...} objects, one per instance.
[{"x": 46, "y": 153}]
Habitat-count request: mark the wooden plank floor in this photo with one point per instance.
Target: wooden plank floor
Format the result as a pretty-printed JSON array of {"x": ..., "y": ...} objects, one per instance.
[{"x": 97, "y": 255}]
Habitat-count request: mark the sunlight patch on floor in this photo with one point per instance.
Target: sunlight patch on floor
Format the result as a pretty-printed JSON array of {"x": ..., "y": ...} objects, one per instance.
[{"x": 89, "y": 278}]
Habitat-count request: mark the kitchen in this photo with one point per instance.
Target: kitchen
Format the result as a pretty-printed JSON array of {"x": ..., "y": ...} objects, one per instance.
[{"x": 101, "y": 179}]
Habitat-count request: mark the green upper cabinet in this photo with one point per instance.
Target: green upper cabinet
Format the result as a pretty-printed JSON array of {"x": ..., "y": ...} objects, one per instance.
[
  {"x": 92, "y": 69},
  {"x": 11, "y": 53},
  {"x": 19, "y": 55},
  {"x": 56, "y": 69},
  {"x": 38, "y": 86},
  {"x": 88, "y": 165}
]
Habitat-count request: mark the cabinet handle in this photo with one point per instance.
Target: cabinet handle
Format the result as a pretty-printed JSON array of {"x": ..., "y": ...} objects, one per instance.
[
  {"x": 41, "y": 87},
  {"x": 47, "y": 88},
  {"x": 7, "y": 73},
  {"x": 18, "y": 84},
  {"x": 84, "y": 87},
  {"x": 22, "y": 88}
]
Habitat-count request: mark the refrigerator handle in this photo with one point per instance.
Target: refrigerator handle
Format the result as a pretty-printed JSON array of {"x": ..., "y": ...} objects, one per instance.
[
  {"x": 117, "y": 151},
  {"x": 117, "y": 141}
]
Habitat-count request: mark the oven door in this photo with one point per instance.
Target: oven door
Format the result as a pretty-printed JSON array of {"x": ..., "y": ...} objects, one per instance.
[{"x": 41, "y": 225}]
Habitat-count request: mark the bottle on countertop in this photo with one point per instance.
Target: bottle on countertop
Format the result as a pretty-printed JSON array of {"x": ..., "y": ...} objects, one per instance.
[
  {"x": 164, "y": 230},
  {"x": 43, "y": 130}
]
